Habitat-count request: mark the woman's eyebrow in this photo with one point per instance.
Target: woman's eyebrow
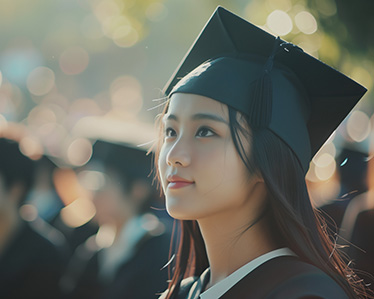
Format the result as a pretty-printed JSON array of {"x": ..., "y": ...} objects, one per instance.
[
  {"x": 198, "y": 116},
  {"x": 214, "y": 117}
]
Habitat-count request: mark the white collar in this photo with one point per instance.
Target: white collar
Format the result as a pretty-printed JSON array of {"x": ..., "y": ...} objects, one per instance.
[{"x": 220, "y": 288}]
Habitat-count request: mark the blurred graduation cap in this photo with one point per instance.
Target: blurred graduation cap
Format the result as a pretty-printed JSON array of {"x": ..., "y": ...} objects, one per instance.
[
  {"x": 126, "y": 159},
  {"x": 275, "y": 83}
]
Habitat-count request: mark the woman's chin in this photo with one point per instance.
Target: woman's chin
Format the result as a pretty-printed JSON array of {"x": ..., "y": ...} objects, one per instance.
[{"x": 180, "y": 213}]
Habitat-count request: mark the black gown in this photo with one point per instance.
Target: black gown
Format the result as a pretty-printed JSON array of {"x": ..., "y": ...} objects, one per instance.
[
  {"x": 140, "y": 277},
  {"x": 30, "y": 266},
  {"x": 278, "y": 278}
]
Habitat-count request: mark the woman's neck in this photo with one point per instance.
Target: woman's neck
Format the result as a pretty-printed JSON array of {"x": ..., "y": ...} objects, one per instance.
[{"x": 230, "y": 245}]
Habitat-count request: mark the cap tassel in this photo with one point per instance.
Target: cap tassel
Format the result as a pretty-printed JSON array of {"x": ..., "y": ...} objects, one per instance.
[{"x": 260, "y": 109}]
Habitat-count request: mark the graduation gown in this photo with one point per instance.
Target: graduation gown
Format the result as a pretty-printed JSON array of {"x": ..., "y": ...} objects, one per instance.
[
  {"x": 278, "y": 278},
  {"x": 140, "y": 277},
  {"x": 30, "y": 266}
]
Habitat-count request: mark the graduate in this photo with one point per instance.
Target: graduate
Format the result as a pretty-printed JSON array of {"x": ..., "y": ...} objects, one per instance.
[
  {"x": 245, "y": 114},
  {"x": 122, "y": 193}
]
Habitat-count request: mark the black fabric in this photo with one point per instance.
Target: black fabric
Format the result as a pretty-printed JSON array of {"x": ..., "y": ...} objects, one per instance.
[
  {"x": 283, "y": 277},
  {"x": 286, "y": 277},
  {"x": 30, "y": 267},
  {"x": 139, "y": 278}
]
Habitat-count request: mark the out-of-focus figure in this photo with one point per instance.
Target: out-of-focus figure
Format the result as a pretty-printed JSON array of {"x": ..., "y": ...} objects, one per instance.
[
  {"x": 353, "y": 212},
  {"x": 124, "y": 259},
  {"x": 31, "y": 260}
]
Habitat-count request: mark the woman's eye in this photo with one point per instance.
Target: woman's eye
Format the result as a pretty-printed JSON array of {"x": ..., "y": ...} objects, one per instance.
[
  {"x": 169, "y": 132},
  {"x": 205, "y": 132}
]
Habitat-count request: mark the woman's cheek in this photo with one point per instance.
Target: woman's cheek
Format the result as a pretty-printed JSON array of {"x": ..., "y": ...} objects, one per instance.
[{"x": 162, "y": 166}]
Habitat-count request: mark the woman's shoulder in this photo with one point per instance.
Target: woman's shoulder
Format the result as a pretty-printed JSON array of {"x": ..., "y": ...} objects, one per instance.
[
  {"x": 184, "y": 289},
  {"x": 286, "y": 277},
  {"x": 306, "y": 281}
]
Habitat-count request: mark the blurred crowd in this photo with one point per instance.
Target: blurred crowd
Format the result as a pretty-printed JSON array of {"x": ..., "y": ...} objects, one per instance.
[{"x": 97, "y": 231}]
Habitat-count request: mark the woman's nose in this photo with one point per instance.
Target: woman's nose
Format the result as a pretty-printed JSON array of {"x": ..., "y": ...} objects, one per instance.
[{"x": 179, "y": 154}]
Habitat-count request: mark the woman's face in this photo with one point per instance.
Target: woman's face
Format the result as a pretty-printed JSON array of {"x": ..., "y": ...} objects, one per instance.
[{"x": 201, "y": 172}]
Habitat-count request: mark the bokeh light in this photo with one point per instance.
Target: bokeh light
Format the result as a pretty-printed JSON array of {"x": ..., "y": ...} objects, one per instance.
[
  {"x": 31, "y": 147},
  {"x": 306, "y": 22},
  {"x": 74, "y": 60},
  {"x": 279, "y": 22},
  {"x": 79, "y": 152},
  {"x": 28, "y": 212},
  {"x": 79, "y": 212},
  {"x": 40, "y": 81},
  {"x": 92, "y": 180},
  {"x": 105, "y": 236},
  {"x": 126, "y": 96},
  {"x": 41, "y": 115},
  {"x": 358, "y": 126},
  {"x": 326, "y": 167}
]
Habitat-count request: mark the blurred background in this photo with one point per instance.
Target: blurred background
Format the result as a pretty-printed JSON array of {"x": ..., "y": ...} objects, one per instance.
[
  {"x": 75, "y": 71},
  {"x": 72, "y": 71}
]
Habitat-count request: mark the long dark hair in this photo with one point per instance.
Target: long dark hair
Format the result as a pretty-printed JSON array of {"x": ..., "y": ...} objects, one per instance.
[{"x": 298, "y": 225}]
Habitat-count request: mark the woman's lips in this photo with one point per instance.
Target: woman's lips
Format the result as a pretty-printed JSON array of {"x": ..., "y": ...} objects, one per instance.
[
  {"x": 177, "y": 185},
  {"x": 176, "y": 182}
]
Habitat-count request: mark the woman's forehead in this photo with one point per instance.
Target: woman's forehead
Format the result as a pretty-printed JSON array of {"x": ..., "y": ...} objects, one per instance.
[{"x": 185, "y": 103}]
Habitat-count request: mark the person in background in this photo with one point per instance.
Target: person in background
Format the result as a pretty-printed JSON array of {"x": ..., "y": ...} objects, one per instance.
[
  {"x": 124, "y": 259},
  {"x": 31, "y": 263}
]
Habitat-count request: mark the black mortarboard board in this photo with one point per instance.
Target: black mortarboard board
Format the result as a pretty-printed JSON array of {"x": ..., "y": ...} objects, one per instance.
[
  {"x": 228, "y": 62},
  {"x": 128, "y": 160}
]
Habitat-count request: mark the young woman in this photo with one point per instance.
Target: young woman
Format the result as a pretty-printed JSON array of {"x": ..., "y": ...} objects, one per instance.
[{"x": 238, "y": 132}]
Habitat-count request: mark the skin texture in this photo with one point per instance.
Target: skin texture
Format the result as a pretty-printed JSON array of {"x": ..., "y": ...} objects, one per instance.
[{"x": 220, "y": 193}]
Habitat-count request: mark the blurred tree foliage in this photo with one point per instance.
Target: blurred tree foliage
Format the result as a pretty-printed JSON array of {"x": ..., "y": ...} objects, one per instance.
[{"x": 352, "y": 26}]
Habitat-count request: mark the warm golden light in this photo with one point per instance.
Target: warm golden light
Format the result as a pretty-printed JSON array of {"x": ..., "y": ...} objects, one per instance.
[
  {"x": 79, "y": 212},
  {"x": 31, "y": 147},
  {"x": 358, "y": 126},
  {"x": 105, "y": 236},
  {"x": 79, "y": 152},
  {"x": 306, "y": 22},
  {"x": 279, "y": 22},
  {"x": 41, "y": 115},
  {"x": 326, "y": 171},
  {"x": 67, "y": 186}
]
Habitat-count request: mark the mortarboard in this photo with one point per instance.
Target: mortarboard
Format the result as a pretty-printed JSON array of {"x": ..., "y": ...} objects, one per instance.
[
  {"x": 127, "y": 159},
  {"x": 303, "y": 101}
]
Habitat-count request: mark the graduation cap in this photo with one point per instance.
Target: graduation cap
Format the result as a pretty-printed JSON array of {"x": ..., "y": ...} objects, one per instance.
[
  {"x": 126, "y": 159},
  {"x": 280, "y": 87}
]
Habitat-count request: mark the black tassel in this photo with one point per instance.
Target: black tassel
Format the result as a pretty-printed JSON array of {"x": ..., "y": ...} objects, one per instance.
[{"x": 260, "y": 110}]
